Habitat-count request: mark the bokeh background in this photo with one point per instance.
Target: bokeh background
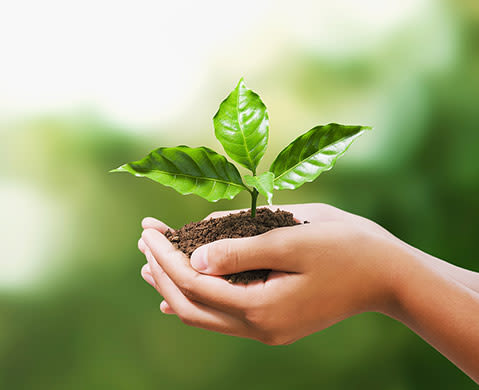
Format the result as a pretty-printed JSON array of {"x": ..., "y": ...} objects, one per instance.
[{"x": 86, "y": 86}]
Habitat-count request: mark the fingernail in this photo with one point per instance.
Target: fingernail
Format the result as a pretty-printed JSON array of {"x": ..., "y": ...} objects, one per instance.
[
  {"x": 198, "y": 259},
  {"x": 163, "y": 306},
  {"x": 141, "y": 245},
  {"x": 149, "y": 279},
  {"x": 147, "y": 275}
]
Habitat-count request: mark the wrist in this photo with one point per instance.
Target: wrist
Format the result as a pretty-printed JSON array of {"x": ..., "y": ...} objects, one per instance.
[
  {"x": 378, "y": 265},
  {"x": 408, "y": 272},
  {"x": 396, "y": 265}
]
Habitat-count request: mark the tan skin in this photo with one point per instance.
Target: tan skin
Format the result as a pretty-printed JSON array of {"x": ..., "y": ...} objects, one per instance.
[{"x": 335, "y": 267}]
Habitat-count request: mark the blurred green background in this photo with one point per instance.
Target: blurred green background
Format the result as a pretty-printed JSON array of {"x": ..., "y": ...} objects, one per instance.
[{"x": 87, "y": 86}]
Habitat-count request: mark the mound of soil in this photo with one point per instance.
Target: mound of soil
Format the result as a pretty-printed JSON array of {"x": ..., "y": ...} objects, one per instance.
[{"x": 238, "y": 225}]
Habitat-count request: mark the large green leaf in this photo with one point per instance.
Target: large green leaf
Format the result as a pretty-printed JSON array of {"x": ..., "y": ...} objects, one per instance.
[
  {"x": 263, "y": 183},
  {"x": 312, "y": 153},
  {"x": 242, "y": 125},
  {"x": 199, "y": 171}
]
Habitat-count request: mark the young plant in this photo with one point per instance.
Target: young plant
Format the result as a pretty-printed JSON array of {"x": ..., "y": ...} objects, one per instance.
[{"x": 242, "y": 126}]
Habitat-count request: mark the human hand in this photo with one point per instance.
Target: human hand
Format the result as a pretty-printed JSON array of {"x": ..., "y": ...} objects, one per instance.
[{"x": 334, "y": 267}]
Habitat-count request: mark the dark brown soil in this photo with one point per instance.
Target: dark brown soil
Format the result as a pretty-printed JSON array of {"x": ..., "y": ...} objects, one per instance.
[{"x": 238, "y": 225}]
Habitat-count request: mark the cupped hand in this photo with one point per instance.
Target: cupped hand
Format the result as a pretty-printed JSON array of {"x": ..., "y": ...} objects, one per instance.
[{"x": 334, "y": 267}]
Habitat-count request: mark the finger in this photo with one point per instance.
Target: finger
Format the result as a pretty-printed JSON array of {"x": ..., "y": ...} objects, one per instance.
[
  {"x": 276, "y": 249},
  {"x": 166, "y": 308},
  {"x": 147, "y": 276},
  {"x": 142, "y": 246},
  {"x": 190, "y": 312},
  {"x": 212, "y": 291},
  {"x": 153, "y": 223}
]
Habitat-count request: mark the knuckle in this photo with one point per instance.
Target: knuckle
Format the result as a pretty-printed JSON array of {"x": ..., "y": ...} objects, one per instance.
[
  {"x": 185, "y": 312},
  {"x": 222, "y": 256},
  {"x": 188, "y": 322},
  {"x": 159, "y": 275},
  {"x": 148, "y": 234},
  {"x": 186, "y": 318},
  {"x": 266, "y": 327},
  {"x": 187, "y": 287},
  {"x": 229, "y": 257},
  {"x": 323, "y": 206},
  {"x": 273, "y": 339},
  {"x": 325, "y": 209},
  {"x": 335, "y": 235},
  {"x": 256, "y": 318}
]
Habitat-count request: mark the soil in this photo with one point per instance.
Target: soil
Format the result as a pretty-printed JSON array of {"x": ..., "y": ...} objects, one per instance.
[{"x": 196, "y": 234}]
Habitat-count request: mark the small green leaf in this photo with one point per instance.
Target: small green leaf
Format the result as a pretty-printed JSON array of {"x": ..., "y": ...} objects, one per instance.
[
  {"x": 242, "y": 126},
  {"x": 312, "y": 153},
  {"x": 263, "y": 183},
  {"x": 199, "y": 171}
]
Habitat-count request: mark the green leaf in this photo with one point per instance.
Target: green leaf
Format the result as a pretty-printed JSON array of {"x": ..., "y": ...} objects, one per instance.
[
  {"x": 199, "y": 171},
  {"x": 312, "y": 153},
  {"x": 242, "y": 126},
  {"x": 263, "y": 183}
]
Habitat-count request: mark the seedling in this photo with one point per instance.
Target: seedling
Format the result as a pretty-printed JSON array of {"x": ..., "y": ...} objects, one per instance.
[{"x": 242, "y": 127}]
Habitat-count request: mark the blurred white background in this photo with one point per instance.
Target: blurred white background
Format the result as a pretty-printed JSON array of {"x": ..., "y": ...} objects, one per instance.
[{"x": 145, "y": 63}]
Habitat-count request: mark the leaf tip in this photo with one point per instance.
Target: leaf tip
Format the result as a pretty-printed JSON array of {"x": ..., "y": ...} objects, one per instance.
[
  {"x": 119, "y": 169},
  {"x": 241, "y": 83}
]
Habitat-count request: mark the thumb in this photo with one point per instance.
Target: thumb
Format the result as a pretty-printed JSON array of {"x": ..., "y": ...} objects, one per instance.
[{"x": 272, "y": 250}]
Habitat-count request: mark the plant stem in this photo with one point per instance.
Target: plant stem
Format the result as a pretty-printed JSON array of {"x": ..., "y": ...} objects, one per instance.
[{"x": 254, "y": 196}]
